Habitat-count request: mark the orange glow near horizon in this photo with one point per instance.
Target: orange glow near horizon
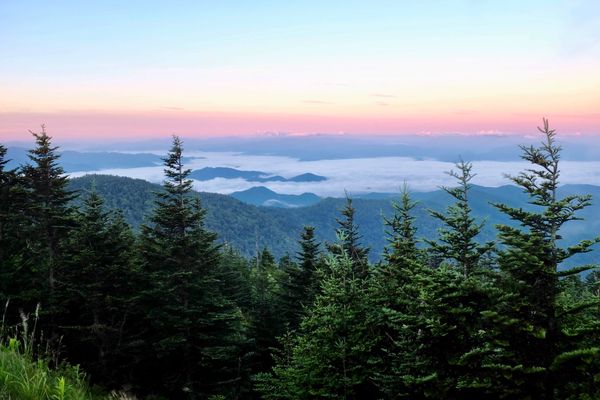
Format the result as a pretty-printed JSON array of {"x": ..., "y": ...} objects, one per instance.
[
  {"x": 140, "y": 125},
  {"x": 380, "y": 68}
]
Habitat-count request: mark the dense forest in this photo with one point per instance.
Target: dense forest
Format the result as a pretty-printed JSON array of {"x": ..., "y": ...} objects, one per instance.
[{"x": 169, "y": 311}]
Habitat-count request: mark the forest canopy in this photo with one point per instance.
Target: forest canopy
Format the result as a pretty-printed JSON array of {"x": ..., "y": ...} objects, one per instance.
[{"x": 169, "y": 311}]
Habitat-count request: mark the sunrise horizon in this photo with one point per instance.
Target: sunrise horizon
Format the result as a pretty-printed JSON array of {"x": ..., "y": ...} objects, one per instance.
[{"x": 92, "y": 71}]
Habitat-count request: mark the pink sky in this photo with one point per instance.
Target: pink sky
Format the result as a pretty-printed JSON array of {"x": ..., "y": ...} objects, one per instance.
[
  {"x": 136, "y": 125},
  {"x": 91, "y": 70}
]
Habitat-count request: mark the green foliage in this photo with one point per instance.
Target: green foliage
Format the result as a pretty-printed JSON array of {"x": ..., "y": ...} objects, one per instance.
[
  {"x": 25, "y": 379},
  {"x": 329, "y": 356},
  {"x": 194, "y": 330},
  {"x": 97, "y": 288},
  {"x": 457, "y": 242},
  {"x": 48, "y": 216},
  {"x": 544, "y": 355},
  {"x": 397, "y": 310},
  {"x": 299, "y": 283},
  {"x": 266, "y": 322},
  {"x": 350, "y": 237},
  {"x": 168, "y": 311}
]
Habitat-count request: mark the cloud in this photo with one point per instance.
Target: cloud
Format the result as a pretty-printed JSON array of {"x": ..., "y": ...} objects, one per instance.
[
  {"x": 316, "y": 102},
  {"x": 357, "y": 175},
  {"x": 390, "y": 96},
  {"x": 491, "y": 132}
]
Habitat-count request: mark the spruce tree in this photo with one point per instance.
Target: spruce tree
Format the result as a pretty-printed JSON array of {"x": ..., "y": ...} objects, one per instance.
[
  {"x": 194, "y": 329},
  {"x": 397, "y": 310},
  {"x": 541, "y": 353},
  {"x": 299, "y": 284},
  {"x": 457, "y": 242},
  {"x": 329, "y": 358},
  {"x": 267, "y": 324},
  {"x": 455, "y": 295},
  {"x": 96, "y": 290},
  {"x": 349, "y": 235},
  {"x": 12, "y": 235},
  {"x": 49, "y": 216}
]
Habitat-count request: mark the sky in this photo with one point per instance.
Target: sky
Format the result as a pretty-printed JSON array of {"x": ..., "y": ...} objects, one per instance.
[{"x": 146, "y": 69}]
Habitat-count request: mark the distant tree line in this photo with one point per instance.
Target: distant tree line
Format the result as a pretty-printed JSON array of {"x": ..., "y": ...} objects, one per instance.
[{"x": 170, "y": 313}]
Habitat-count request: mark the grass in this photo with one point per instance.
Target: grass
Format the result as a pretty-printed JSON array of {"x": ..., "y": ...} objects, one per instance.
[{"x": 25, "y": 376}]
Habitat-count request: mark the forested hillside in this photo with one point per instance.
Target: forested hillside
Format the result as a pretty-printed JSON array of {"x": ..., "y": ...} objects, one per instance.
[
  {"x": 245, "y": 226},
  {"x": 453, "y": 309}
]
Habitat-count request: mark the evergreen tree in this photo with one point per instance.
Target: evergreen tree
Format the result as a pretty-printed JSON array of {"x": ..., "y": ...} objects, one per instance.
[
  {"x": 12, "y": 233},
  {"x": 402, "y": 242},
  {"x": 299, "y": 284},
  {"x": 267, "y": 324},
  {"x": 329, "y": 357},
  {"x": 457, "y": 238},
  {"x": 349, "y": 235},
  {"x": 543, "y": 355},
  {"x": 96, "y": 289},
  {"x": 195, "y": 329},
  {"x": 397, "y": 309},
  {"x": 452, "y": 298},
  {"x": 49, "y": 216}
]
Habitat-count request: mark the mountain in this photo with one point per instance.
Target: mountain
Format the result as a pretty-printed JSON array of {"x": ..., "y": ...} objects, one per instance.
[
  {"x": 261, "y": 196},
  {"x": 308, "y": 177},
  {"x": 208, "y": 173},
  {"x": 248, "y": 227},
  {"x": 74, "y": 161}
]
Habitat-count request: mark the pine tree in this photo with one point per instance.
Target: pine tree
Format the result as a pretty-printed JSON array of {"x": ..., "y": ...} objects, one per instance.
[
  {"x": 299, "y": 284},
  {"x": 49, "y": 216},
  {"x": 433, "y": 316},
  {"x": 330, "y": 356},
  {"x": 195, "y": 329},
  {"x": 349, "y": 235},
  {"x": 267, "y": 325},
  {"x": 458, "y": 237},
  {"x": 543, "y": 355},
  {"x": 402, "y": 242},
  {"x": 397, "y": 309},
  {"x": 12, "y": 233},
  {"x": 96, "y": 289}
]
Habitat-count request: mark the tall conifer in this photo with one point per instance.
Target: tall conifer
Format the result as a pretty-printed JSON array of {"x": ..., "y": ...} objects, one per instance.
[
  {"x": 195, "y": 328},
  {"x": 49, "y": 216},
  {"x": 545, "y": 356}
]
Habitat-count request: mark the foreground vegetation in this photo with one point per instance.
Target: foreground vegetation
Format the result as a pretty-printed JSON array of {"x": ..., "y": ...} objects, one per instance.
[
  {"x": 170, "y": 313},
  {"x": 22, "y": 377}
]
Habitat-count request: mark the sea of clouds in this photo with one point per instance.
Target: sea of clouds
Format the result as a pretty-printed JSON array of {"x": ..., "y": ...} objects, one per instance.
[{"x": 352, "y": 175}]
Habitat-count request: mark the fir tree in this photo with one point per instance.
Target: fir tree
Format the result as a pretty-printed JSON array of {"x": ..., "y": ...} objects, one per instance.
[
  {"x": 195, "y": 329},
  {"x": 457, "y": 238},
  {"x": 49, "y": 216},
  {"x": 349, "y": 235},
  {"x": 397, "y": 308},
  {"x": 12, "y": 233},
  {"x": 96, "y": 289},
  {"x": 267, "y": 325},
  {"x": 402, "y": 242},
  {"x": 544, "y": 355},
  {"x": 299, "y": 285},
  {"x": 329, "y": 357}
]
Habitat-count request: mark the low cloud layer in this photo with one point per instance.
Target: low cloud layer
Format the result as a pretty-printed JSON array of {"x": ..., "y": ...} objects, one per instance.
[{"x": 357, "y": 175}]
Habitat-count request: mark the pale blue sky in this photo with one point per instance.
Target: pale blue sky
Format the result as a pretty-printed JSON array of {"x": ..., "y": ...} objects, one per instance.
[{"x": 283, "y": 57}]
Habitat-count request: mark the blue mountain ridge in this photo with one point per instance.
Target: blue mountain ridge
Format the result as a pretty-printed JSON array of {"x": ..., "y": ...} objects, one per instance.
[{"x": 208, "y": 173}]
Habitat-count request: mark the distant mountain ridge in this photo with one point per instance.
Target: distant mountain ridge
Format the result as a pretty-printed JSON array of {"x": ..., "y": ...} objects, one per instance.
[
  {"x": 75, "y": 161},
  {"x": 262, "y": 196},
  {"x": 245, "y": 226},
  {"x": 208, "y": 173}
]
